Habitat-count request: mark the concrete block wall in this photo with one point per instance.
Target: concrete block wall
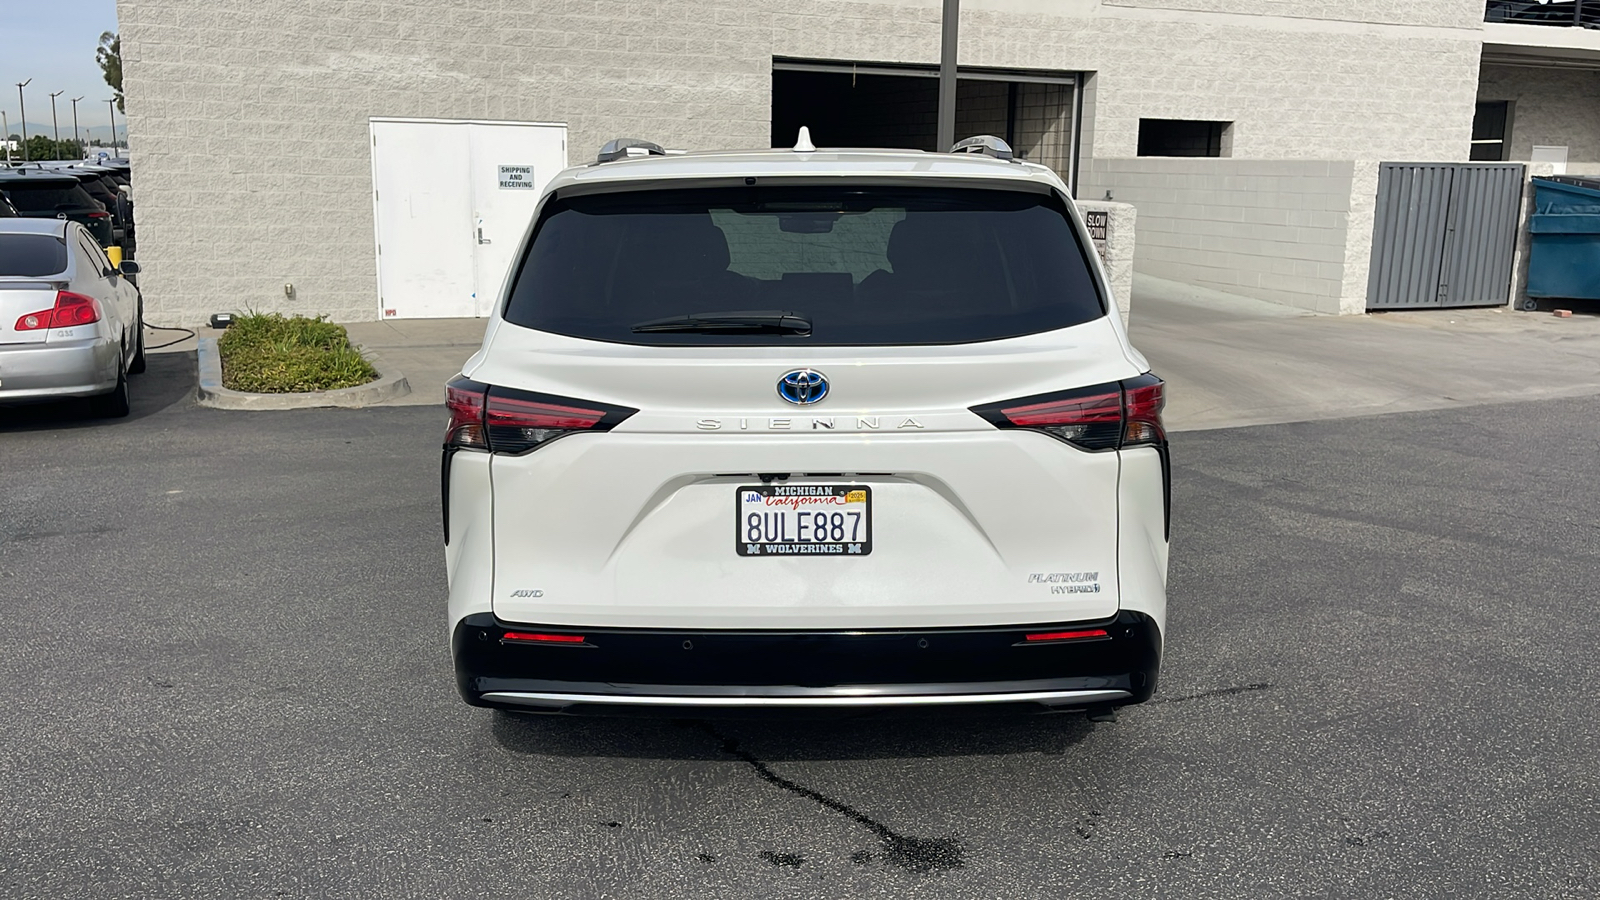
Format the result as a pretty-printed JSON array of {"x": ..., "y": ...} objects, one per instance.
[
  {"x": 294, "y": 83},
  {"x": 1294, "y": 87},
  {"x": 1276, "y": 230},
  {"x": 1559, "y": 107},
  {"x": 1116, "y": 255},
  {"x": 1448, "y": 13},
  {"x": 1519, "y": 259}
]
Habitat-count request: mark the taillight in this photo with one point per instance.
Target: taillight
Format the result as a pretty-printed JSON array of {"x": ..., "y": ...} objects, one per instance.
[
  {"x": 70, "y": 309},
  {"x": 98, "y": 215},
  {"x": 516, "y": 424},
  {"x": 1101, "y": 417},
  {"x": 1142, "y": 400},
  {"x": 464, "y": 399},
  {"x": 504, "y": 420}
]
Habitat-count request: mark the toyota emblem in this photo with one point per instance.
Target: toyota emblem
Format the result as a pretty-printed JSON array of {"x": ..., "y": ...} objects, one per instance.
[{"x": 803, "y": 386}]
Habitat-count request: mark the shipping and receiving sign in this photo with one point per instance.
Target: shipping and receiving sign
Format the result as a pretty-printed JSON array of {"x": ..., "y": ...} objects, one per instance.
[{"x": 516, "y": 178}]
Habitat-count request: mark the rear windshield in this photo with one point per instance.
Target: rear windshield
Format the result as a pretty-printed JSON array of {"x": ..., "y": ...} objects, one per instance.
[
  {"x": 864, "y": 265},
  {"x": 32, "y": 255},
  {"x": 51, "y": 196},
  {"x": 98, "y": 189}
]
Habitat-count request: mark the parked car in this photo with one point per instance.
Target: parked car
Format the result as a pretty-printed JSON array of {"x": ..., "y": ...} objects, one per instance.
[
  {"x": 38, "y": 193},
  {"x": 7, "y": 211},
  {"x": 806, "y": 428},
  {"x": 71, "y": 325},
  {"x": 98, "y": 183}
]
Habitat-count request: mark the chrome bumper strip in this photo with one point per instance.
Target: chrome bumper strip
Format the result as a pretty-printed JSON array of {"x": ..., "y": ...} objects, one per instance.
[{"x": 1048, "y": 698}]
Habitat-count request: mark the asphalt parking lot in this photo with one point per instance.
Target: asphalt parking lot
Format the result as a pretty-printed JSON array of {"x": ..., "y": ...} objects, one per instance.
[{"x": 222, "y": 641}]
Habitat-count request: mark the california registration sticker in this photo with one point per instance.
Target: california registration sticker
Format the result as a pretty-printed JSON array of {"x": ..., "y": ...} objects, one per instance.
[{"x": 857, "y": 496}]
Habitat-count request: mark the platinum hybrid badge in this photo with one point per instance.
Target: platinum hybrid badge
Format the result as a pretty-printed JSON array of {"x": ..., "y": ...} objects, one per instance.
[{"x": 803, "y": 386}]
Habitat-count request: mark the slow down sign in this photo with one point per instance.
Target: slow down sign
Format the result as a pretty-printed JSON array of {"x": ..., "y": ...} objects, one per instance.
[{"x": 516, "y": 178}]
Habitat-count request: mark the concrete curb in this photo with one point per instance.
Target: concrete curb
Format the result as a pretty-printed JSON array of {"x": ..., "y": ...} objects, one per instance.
[{"x": 211, "y": 392}]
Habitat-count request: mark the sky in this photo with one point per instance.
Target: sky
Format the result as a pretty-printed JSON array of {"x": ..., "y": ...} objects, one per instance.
[{"x": 53, "y": 42}]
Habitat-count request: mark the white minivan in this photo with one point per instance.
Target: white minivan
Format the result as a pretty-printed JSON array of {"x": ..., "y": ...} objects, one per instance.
[{"x": 806, "y": 428}]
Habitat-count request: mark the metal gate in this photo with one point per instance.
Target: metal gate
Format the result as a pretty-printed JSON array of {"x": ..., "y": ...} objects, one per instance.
[{"x": 1444, "y": 235}]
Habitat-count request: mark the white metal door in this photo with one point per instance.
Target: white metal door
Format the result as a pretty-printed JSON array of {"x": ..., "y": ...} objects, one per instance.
[
  {"x": 423, "y": 215},
  {"x": 446, "y": 227},
  {"x": 511, "y": 164}
]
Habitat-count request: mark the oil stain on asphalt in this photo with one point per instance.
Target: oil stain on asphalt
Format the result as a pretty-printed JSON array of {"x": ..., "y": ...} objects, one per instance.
[{"x": 918, "y": 854}]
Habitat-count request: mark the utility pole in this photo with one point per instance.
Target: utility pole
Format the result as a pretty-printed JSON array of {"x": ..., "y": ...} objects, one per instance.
[
  {"x": 112, "y": 105},
  {"x": 24, "y": 109},
  {"x": 947, "y": 78},
  {"x": 56, "y": 124},
  {"x": 77, "y": 141},
  {"x": 5, "y": 134}
]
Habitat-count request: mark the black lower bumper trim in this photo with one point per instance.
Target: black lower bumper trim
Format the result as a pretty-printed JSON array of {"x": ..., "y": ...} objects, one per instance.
[{"x": 789, "y": 667}]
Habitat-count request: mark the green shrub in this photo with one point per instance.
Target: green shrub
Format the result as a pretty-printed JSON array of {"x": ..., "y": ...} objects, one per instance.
[{"x": 275, "y": 354}]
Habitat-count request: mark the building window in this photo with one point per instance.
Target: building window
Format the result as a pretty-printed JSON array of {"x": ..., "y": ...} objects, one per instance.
[
  {"x": 1489, "y": 130},
  {"x": 1183, "y": 137}
]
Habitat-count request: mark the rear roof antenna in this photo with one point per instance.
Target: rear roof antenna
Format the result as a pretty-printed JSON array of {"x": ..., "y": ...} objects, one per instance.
[{"x": 803, "y": 143}]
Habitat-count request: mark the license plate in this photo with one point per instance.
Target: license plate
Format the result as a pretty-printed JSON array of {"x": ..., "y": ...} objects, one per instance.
[{"x": 803, "y": 520}]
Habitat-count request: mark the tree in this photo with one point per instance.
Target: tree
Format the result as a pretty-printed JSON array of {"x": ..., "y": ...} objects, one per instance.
[
  {"x": 42, "y": 147},
  {"x": 109, "y": 56}
]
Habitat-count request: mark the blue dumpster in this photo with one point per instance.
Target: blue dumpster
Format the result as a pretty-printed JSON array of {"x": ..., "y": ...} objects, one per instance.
[{"x": 1564, "y": 252}]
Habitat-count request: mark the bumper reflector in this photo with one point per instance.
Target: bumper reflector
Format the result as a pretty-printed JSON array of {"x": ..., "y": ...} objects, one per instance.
[
  {"x": 542, "y": 638},
  {"x": 1067, "y": 635}
]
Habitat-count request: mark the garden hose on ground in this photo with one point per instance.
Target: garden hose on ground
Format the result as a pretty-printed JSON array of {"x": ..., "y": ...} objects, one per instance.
[{"x": 187, "y": 333}]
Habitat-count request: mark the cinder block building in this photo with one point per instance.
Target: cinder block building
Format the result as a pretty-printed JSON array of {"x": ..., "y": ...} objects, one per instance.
[{"x": 391, "y": 142}]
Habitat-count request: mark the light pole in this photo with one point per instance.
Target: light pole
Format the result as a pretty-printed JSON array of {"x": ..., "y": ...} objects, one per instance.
[
  {"x": 112, "y": 105},
  {"x": 56, "y": 124},
  {"x": 76, "y": 141},
  {"x": 5, "y": 134},
  {"x": 24, "y": 110},
  {"x": 947, "y": 77}
]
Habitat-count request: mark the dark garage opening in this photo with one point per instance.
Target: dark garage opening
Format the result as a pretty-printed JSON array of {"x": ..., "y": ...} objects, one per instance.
[{"x": 845, "y": 106}]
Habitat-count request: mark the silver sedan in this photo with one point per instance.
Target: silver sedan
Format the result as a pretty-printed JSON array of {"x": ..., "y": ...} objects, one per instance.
[{"x": 70, "y": 321}]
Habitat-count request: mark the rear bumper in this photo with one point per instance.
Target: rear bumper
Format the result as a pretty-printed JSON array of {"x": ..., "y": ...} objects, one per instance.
[
  {"x": 674, "y": 669},
  {"x": 49, "y": 371}
]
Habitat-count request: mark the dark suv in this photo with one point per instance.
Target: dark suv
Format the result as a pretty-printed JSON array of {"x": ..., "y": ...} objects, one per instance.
[
  {"x": 42, "y": 194},
  {"x": 100, "y": 183}
]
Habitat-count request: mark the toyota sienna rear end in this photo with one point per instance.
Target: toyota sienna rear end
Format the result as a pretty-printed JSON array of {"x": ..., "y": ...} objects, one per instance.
[{"x": 806, "y": 429}]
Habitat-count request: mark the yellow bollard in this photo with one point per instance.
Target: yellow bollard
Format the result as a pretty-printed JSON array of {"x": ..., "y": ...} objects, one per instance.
[{"x": 116, "y": 256}]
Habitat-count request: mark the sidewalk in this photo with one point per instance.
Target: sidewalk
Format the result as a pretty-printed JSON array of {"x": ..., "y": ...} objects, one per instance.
[
  {"x": 1233, "y": 361},
  {"x": 428, "y": 352},
  {"x": 1228, "y": 360}
]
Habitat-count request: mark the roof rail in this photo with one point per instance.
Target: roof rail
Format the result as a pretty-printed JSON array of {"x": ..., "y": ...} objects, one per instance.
[
  {"x": 623, "y": 148},
  {"x": 987, "y": 145}
]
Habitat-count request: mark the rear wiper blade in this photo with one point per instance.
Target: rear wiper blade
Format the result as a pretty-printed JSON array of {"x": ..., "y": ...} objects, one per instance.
[{"x": 769, "y": 321}]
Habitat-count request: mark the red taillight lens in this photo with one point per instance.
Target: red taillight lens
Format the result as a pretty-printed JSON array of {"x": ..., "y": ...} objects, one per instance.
[
  {"x": 1083, "y": 634},
  {"x": 98, "y": 215},
  {"x": 1142, "y": 400},
  {"x": 503, "y": 420},
  {"x": 508, "y": 412},
  {"x": 542, "y": 638},
  {"x": 517, "y": 425},
  {"x": 70, "y": 309},
  {"x": 1100, "y": 417},
  {"x": 1085, "y": 410},
  {"x": 464, "y": 400}
]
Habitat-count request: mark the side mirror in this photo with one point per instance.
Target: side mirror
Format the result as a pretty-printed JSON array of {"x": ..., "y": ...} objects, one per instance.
[{"x": 128, "y": 267}]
